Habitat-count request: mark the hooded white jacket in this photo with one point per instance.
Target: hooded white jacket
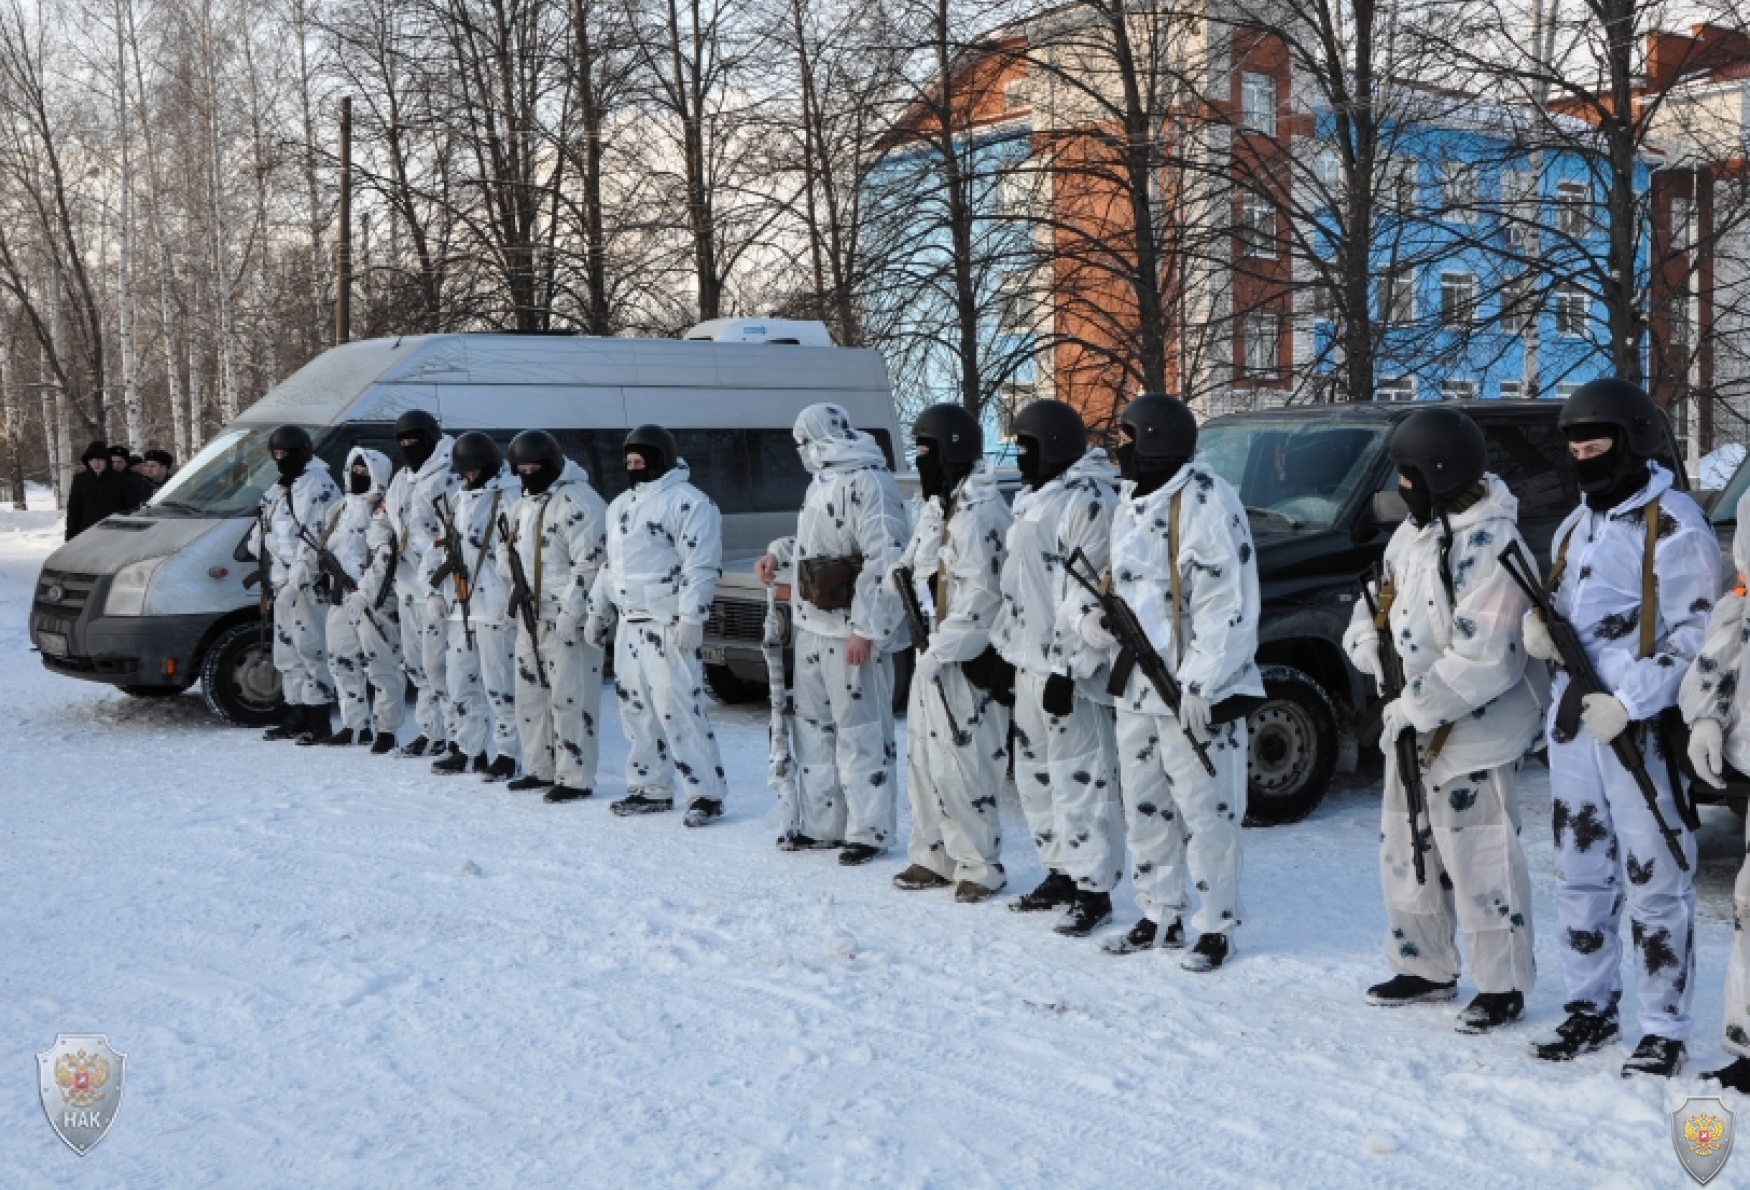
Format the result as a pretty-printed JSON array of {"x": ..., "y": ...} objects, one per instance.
[
  {"x": 475, "y": 523},
  {"x": 561, "y": 536},
  {"x": 347, "y": 540},
  {"x": 1218, "y": 586},
  {"x": 665, "y": 552},
  {"x": 410, "y": 519},
  {"x": 852, "y": 507},
  {"x": 1600, "y": 592},
  {"x": 970, "y": 557},
  {"x": 1464, "y": 656},
  {"x": 306, "y": 505},
  {"x": 1037, "y": 627},
  {"x": 1716, "y": 686}
]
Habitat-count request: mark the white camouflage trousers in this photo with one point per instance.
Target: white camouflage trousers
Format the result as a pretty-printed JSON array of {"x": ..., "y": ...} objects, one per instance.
[
  {"x": 1737, "y": 1039},
  {"x": 1477, "y": 882},
  {"x": 662, "y": 709},
  {"x": 1603, "y": 831},
  {"x": 300, "y": 628},
  {"x": 844, "y": 744},
  {"x": 557, "y": 724},
  {"x": 1183, "y": 825},
  {"x": 956, "y": 829},
  {"x": 482, "y": 685},
  {"x": 432, "y": 695},
  {"x": 1066, "y": 770}
]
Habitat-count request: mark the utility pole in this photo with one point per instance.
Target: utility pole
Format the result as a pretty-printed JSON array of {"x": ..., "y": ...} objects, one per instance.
[{"x": 343, "y": 250}]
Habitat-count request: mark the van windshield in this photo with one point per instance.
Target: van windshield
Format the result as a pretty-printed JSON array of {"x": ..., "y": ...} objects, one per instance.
[
  {"x": 226, "y": 478},
  {"x": 1291, "y": 474}
]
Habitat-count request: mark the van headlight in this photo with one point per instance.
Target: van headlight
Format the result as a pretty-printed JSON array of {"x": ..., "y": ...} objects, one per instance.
[{"x": 127, "y": 590}]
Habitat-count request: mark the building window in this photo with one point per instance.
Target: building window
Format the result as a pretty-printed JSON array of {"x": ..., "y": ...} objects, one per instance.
[
  {"x": 1014, "y": 94},
  {"x": 1397, "y": 297},
  {"x": 1258, "y": 103},
  {"x": 1574, "y": 208},
  {"x": 1458, "y": 191},
  {"x": 1573, "y": 311},
  {"x": 1567, "y": 389},
  {"x": 1014, "y": 303},
  {"x": 1261, "y": 336},
  {"x": 1458, "y": 389},
  {"x": 1012, "y": 397},
  {"x": 1257, "y": 226},
  {"x": 1458, "y": 299},
  {"x": 1327, "y": 170},
  {"x": 1321, "y": 302},
  {"x": 1397, "y": 388},
  {"x": 1014, "y": 193},
  {"x": 1398, "y": 186},
  {"x": 1518, "y": 208},
  {"x": 1518, "y": 305},
  {"x": 1512, "y": 390}
]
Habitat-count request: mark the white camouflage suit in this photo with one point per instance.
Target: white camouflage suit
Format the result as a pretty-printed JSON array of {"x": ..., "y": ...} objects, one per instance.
[
  {"x": 364, "y": 650},
  {"x": 1181, "y": 822},
  {"x": 665, "y": 554},
  {"x": 1601, "y": 822},
  {"x": 1716, "y": 687},
  {"x": 481, "y": 679},
  {"x": 956, "y": 830},
  {"x": 1066, "y": 769},
  {"x": 561, "y": 536},
  {"x": 400, "y": 537},
  {"x": 1465, "y": 667},
  {"x": 846, "y": 783},
  {"x": 300, "y": 616}
]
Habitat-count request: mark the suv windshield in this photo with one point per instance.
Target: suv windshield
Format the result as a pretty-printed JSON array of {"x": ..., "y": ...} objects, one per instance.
[
  {"x": 226, "y": 478},
  {"x": 1291, "y": 474}
]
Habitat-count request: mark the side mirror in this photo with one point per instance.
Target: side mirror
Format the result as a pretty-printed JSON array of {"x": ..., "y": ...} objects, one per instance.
[{"x": 1389, "y": 508}]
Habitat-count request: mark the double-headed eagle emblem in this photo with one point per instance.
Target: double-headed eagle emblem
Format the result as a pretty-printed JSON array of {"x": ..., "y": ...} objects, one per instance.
[{"x": 81, "y": 1077}]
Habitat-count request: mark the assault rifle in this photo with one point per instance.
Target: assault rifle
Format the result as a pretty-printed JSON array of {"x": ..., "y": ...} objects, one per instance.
[
  {"x": 1135, "y": 651},
  {"x": 522, "y": 599},
  {"x": 339, "y": 583},
  {"x": 906, "y": 579},
  {"x": 1582, "y": 681},
  {"x": 1391, "y": 685},
  {"x": 456, "y": 570},
  {"x": 263, "y": 576}
]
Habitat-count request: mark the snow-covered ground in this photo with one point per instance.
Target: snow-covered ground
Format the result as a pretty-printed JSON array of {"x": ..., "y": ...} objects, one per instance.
[{"x": 332, "y": 970}]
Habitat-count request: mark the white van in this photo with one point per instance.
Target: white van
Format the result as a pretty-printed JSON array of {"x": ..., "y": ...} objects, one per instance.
[{"x": 152, "y": 600}]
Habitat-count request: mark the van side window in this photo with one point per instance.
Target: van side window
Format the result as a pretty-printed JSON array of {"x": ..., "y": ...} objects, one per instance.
[
  {"x": 1533, "y": 461},
  {"x": 719, "y": 465},
  {"x": 780, "y": 481}
]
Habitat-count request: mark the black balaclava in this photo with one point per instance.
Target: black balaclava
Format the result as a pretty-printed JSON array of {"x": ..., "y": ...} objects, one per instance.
[
  {"x": 474, "y": 485},
  {"x": 1612, "y": 477},
  {"x": 1030, "y": 461},
  {"x": 1149, "y": 475},
  {"x": 291, "y": 466},
  {"x": 653, "y": 469},
  {"x": 931, "y": 479},
  {"x": 360, "y": 482},
  {"x": 540, "y": 481},
  {"x": 416, "y": 450},
  {"x": 1417, "y": 498}
]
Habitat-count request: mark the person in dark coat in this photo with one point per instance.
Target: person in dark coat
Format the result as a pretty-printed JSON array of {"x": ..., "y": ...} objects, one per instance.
[
  {"x": 132, "y": 486},
  {"x": 95, "y": 494}
]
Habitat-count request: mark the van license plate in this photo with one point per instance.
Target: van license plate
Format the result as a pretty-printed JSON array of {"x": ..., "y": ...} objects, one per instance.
[
  {"x": 713, "y": 654},
  {"x": 52, "y": 643}
]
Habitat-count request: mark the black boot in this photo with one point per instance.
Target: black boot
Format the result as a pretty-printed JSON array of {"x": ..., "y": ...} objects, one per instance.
[
  {"x": 705, "y": 810},
  {"x": 1735, "y": 1077},
  {"x": 637, "y": 803},
  {"x": 317, "y": 724},
  {"x": 363, "y": 738},
  {"x": 918, "y": 877},
  {"x": 383, "y": 744},
  {"x": 565, "y": 793},
  {"x": 290, "y": 726},
  {"x": 1655, "y": 1055},
  {"x": 1087, "y": 913},
  {"x": 503, "y": 768},
  {"x": 1582, "y": 1033},
  {"x": 1490, "y": 1010},
  {"x": 455, "y": 762},
  {"x": 795, "y": 841},
  {"x": 527, "y": 782},
  {"x": 1211, "y": 951},
  {"x": 480, "y": 766},
  {"x": 1410, "y": 989},
  {"x": 857, "y": 854},
  {"x": 1141, "y": 936},
  {"x": 339, "y": 739},
  {"x": 1054, "y": 892},
  {"x": 414, "y": 747}
]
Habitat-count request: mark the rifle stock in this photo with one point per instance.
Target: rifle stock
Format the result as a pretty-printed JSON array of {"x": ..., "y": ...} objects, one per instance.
[
  {"x": 1391, "y": 684},
  {"x": 906, "y": 579},
  {"x": 522, "y": 599}
]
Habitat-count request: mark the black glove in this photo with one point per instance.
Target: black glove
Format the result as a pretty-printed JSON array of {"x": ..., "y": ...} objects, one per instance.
[{"x": 1060, "y": 695}]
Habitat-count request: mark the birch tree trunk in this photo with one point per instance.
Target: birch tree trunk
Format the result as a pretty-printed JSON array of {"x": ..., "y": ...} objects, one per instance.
[
  {"x": 132, "y": 412},
  {"x": 227, "y": 342}
]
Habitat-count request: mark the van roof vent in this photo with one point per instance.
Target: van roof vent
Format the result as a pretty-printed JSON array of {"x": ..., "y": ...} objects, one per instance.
[{"x": 761, "y": 330}]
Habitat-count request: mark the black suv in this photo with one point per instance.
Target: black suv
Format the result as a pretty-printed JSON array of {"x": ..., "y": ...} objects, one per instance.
[{"x": 1308, "y": 475}]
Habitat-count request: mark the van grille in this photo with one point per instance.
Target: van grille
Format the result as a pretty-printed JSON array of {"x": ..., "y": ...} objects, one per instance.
[
  {"x": 737, "y": 620},
  {"x": 62, "y": 593}
]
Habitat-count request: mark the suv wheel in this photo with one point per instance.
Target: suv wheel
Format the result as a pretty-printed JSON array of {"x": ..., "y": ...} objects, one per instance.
[
  {"x": 728, "y": 689},
  {"x": 238, "y": 678},
  {"x": 1293, "y": 740}
]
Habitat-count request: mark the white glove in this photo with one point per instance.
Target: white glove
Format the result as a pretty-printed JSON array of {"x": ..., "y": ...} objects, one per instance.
[
  {"x": 595, "y": 631},
  {"x": 1707, "y": 743},
  {"x": 928, "y": 667},
  {"x": 357, "y": 606},
  {"x": 435, "y": 608},
  {"x": 1393, "y": 722},
  {"x": 565, "y": 627},
  {"x": 688, "y": 636},
  {"x": 298, "y": 574},
  {"x": 1092, "y": 627},
  {"x": 1604, "y": 715},
  {"x": 1194, "y": 715},
  {"x": 1365, "y": 657},
  {"x": 1538, "y": 642}
]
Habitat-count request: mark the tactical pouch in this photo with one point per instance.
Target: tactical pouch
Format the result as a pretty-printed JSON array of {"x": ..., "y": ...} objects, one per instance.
[{"x": 829, "y": 583}]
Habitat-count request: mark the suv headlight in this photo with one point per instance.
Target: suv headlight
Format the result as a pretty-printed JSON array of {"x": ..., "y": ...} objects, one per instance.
[{"x": 127, "y": 590}]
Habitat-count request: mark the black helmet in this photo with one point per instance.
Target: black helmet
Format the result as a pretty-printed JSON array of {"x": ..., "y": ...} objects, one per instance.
[
  {"x": 958, "y": 437},
  {"x": 1619, "y": 405},
  {"x": 537, "y": 447},
  {"x": 1057, "y": 428},
  {"x": 1162, "y": 427},
  {"x": 476, "y": 451},
  {"x": 417, "y": 421},
  {"x": 1443, "y": 446},
  {"x": 291, "y": 439},
  {"x": 658, "y": 447}
]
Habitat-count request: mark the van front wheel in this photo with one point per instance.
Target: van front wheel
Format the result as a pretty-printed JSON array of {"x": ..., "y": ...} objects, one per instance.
[
  {"x": 1293, "y": 743},
  {"x": 238, "y": 679}
]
